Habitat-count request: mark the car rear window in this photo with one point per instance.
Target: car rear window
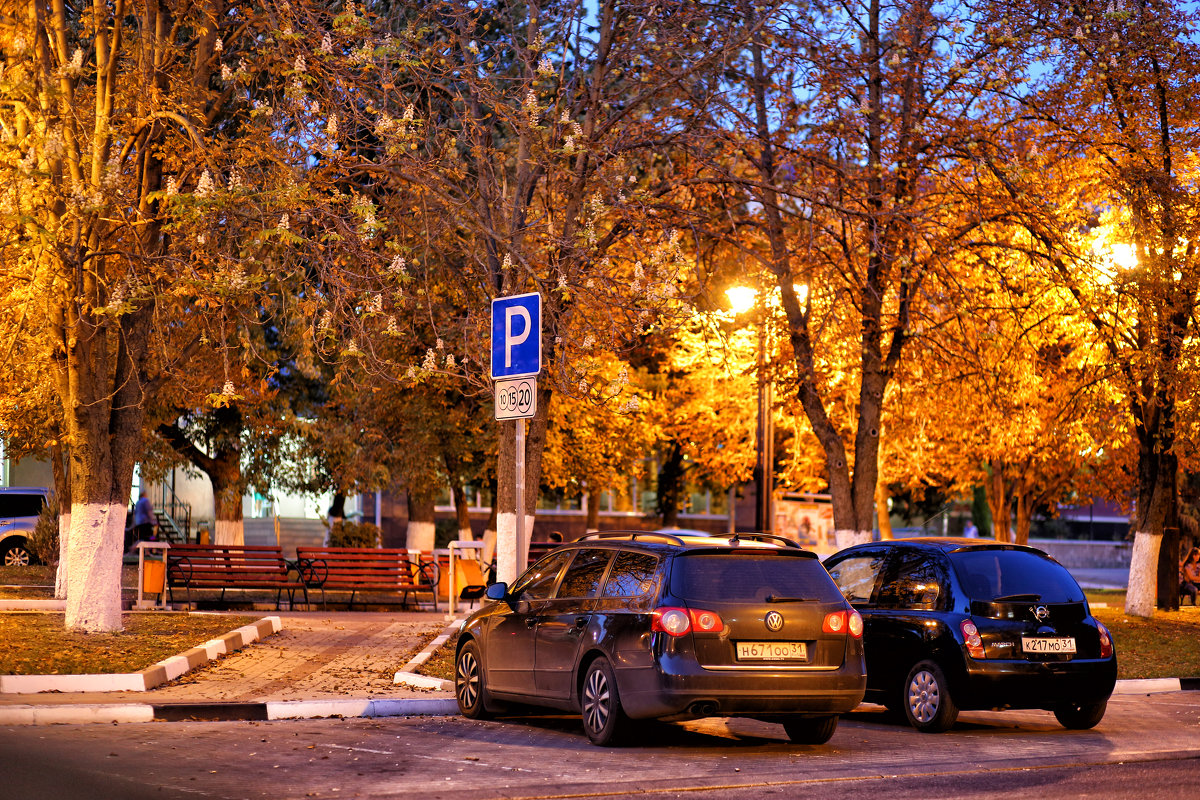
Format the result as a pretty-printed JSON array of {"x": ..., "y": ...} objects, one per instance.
[
  {"x": 991, "y": 575},
  {"x": 745, "y": 577}
]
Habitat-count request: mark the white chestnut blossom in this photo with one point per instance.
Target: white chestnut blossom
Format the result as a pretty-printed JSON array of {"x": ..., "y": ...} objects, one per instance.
[{"x": 204, "y": 187}]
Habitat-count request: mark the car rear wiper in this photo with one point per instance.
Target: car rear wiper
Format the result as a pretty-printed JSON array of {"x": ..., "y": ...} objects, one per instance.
[
  {"x": 779, "y": 598},
  {"x": 1017, "y": 598}
]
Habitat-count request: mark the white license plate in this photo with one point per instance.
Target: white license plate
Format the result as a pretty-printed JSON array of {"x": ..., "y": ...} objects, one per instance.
[
  {"x": 1048, "y": 644},
  {"x": 772, "y": 651}
]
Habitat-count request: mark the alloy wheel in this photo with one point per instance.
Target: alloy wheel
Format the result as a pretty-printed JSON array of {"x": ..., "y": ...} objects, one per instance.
[
  {"x": 924, "y": 696},
  {"x": 597, "y": 700},
  {"x": 468, "y": 679}
]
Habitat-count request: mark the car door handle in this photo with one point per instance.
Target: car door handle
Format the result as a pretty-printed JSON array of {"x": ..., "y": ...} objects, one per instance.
[
  {"x": 531, "y": 622},
  {"x": 581, "y": 623}
]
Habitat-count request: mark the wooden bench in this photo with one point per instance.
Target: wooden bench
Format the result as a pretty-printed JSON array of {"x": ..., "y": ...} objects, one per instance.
[
  {"x": 367, "y": 569},
  {"x": 220, "y": 566}
]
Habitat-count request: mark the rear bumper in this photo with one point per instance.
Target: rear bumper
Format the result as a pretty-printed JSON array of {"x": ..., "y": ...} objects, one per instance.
[
  {"x": 679, "y": 687},
  {"x": 1023, "y": 684}
]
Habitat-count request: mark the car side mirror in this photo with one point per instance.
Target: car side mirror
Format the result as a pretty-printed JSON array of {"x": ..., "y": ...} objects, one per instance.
[{"x": 497, "y": 591}]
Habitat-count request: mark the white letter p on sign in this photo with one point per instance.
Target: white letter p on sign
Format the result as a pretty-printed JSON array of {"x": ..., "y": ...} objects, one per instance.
[{"x": 511, "y": 341}]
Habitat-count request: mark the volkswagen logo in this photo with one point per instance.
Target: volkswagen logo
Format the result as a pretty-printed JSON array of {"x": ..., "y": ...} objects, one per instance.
[
  {"x": 774, "y": 621},
  {"x": 1041, "y": 612}
]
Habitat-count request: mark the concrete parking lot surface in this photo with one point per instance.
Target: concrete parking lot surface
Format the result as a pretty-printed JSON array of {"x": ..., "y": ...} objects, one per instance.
[{"x": 1144, "y": 744}]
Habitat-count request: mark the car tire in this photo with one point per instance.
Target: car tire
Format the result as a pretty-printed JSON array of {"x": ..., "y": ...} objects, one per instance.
[
  {"x": 1080, "y": 716},
  {"x": 470, "y": 687},
  {"x": 810, "y": 730},
  {"x": 604, "y": 720},
  {"x": 927, "y": 703},
  {"x": 15, "y": 553}
]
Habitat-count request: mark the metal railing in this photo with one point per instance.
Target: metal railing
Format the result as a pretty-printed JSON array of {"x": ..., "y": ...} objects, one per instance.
[{"x": 173, "y": 515}]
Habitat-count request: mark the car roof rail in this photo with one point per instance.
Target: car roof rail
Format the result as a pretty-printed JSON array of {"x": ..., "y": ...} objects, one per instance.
[
  {"x": 633, "y": 536},
  {"x": 681, "y": 540},
  {"x": 768, "y": 538}
]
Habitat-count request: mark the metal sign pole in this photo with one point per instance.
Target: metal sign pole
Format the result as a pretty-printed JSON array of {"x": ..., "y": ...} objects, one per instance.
[{"x": 522, "y": 537}]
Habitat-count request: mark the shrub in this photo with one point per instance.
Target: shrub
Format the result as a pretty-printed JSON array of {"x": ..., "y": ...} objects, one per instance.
[
  {"x": 43, "y": 539},
  {"x": 346, "y": 533}
]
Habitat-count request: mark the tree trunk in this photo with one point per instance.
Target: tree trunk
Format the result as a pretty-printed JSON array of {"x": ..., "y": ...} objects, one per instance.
[
  {"x": 462, "y": 512},
  {"x": 228, "y": 527},
  {"x": 62, "y": 491},
  {"x": 593, "y": 512},
  {"x": 998, "y": 503},
  {"x": 422, "y": 530},
  {"x": 670, "y": 486},
  {"x": 101, "y": 388},
  {"x": 1024, "y": 515},
  {"x": 881, "y": 511},
  {"x": 1156, "y": 506}
]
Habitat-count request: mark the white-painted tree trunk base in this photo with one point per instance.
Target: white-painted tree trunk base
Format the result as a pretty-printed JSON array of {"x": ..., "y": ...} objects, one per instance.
[
  {"x": 94, "y": 564},
  {"x": 421, "y": 535},
  {"x": 506, "y": 547},
  {"x": 508, "y": 564},
  {"x": 229, "y": 532},
  {"x": 1142, "y": 593},
  {"x": 489, "y": 546},
  {"x": 61, "y": 574},
  {"x": 846, "y": 538},
  {"x": 466, "y": 535}
]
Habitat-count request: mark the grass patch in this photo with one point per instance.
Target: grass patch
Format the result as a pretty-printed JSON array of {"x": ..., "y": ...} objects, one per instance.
[
  {"x": 38, "y": 644},
  {"x": 441, "y": 663},
  {"x": 1165, "y": 646},
  {"x": 1114, "y": 598}
]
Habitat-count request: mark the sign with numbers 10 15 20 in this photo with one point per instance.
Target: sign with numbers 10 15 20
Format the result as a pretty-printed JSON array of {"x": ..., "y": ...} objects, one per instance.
[{"x": 516, "y": 399}]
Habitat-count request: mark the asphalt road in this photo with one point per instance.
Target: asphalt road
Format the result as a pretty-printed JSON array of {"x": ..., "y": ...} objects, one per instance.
[{"x": 1147, "y": 745}]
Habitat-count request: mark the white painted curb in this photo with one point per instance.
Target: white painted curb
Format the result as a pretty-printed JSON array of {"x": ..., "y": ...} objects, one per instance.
[
  {"x": 407, "y": 677},
  {"x": 75, "y": 714},
  {"x": 314, "y": 709},
  {"x": 1147, "y": 686}
]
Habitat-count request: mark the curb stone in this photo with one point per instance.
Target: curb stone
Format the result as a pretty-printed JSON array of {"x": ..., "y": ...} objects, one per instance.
[{"x": 407, "y": 675}]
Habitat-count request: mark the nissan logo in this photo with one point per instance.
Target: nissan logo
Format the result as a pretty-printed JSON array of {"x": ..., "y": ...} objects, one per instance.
[
  {"x": 1041, "y": 612},
  {"x": 774, "y": 621}
]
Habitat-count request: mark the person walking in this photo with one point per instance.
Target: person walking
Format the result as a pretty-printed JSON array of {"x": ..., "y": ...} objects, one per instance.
[
  {"x": 1189, "y": 576},
  {"x": 143, "y": 519}
]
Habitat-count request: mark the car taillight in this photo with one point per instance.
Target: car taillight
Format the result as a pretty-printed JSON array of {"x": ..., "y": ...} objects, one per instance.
[
  {"x": 679, "y": 621},
  {"x": 706, "y": 621},
  {"x": 843, "y": 622},
  {"x": 971, "y": 638},
  {"x": 1106, "y": 642}
]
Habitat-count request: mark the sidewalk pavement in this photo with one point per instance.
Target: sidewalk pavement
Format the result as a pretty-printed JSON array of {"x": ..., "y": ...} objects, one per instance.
[{"x": 319, "y": 664}]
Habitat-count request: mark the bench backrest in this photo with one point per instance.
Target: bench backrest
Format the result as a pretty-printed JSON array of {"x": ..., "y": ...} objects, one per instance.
[
  {"x": 362, "y": 565},
  {"x": 225, "y": 563}
]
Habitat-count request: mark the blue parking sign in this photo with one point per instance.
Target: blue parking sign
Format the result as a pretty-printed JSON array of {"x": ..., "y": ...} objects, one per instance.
[{"x": 517, "y": 335}]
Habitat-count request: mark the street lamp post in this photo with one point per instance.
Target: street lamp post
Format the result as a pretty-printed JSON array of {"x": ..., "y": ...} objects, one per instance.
[
  {"x": 742, "y": 299},
  {"x": 764, "y": 509}
]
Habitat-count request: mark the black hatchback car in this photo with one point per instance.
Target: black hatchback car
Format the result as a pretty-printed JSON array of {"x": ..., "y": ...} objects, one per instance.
[
  {"x": 622, "y": 626},
  {"x": 956, "y": 624}
]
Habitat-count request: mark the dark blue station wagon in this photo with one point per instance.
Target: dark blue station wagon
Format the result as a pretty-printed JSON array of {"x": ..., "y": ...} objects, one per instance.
[{"x": 626, "y": 626}]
